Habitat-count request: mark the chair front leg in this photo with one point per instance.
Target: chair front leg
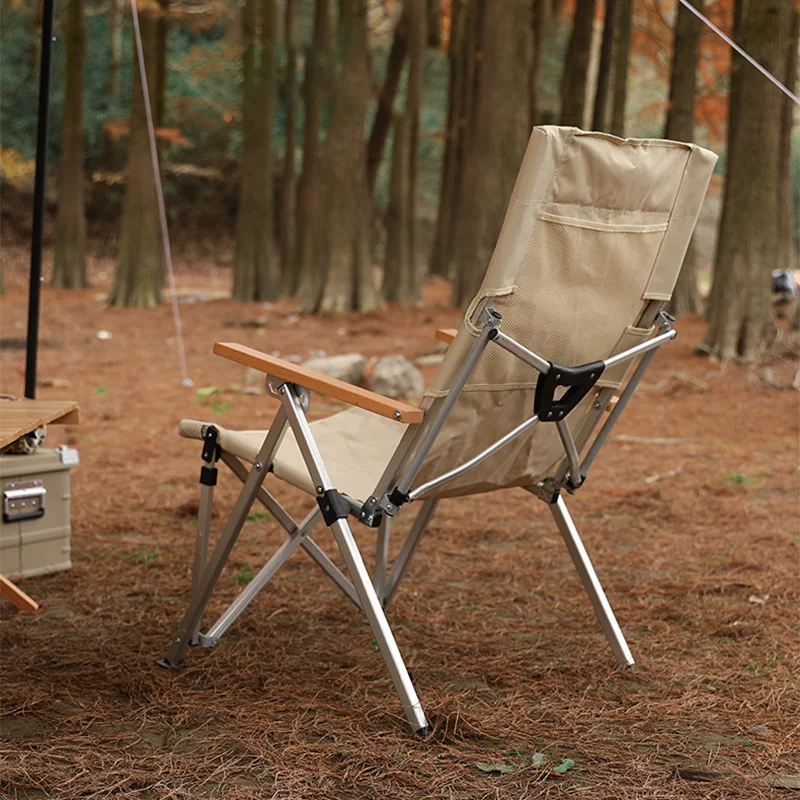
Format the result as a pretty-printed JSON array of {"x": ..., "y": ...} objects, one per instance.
[{"x": 230, "y": 533}]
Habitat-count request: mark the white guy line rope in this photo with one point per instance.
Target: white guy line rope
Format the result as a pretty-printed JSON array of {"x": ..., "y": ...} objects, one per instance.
[
  {"x": 186, "y": 380},
  {"x": 739, "y": 50}
]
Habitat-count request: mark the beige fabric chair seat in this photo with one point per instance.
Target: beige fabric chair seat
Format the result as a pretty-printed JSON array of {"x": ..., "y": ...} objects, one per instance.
[{"x": 355, "y": 445}]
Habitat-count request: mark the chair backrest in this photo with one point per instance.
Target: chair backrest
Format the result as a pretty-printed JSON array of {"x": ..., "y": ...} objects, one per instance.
[{"x": 596, "y": 231}]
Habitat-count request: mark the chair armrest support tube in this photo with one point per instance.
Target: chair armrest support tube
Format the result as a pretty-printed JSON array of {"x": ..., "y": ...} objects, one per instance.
[
  {"x": 652, "y": 344},
  {"x": 489, "y": 330},
  {"x": 446, "y": 477},
  {"x": 522, "y": 353}
]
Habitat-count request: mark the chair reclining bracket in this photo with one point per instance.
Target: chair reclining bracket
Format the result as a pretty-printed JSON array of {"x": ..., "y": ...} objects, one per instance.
[
  {"x": 211, "y": 448},
  {"x": 578, "y": 381}
]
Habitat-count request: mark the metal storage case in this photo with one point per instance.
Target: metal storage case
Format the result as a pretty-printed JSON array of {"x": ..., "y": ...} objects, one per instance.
[{"x": 35, "y": 528}]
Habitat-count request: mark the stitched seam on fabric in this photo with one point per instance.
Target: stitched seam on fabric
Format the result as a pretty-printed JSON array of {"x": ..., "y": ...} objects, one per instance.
[{"x": 606, "y": 227}]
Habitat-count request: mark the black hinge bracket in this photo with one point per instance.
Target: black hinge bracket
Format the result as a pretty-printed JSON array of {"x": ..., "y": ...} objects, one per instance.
[
  {"x": 208, "y": 476},
  {"x": 578, "y": 382},
  {"x": 211, "y": 448},
  {"x": 333, "y": 506}
]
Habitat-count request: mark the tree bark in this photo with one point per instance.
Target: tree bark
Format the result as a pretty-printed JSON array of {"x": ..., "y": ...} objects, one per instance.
[
  {"x": 289, "y": 270},
  {"x": 741, "y": 318},
  {"x": 604, "y": 69},
  {"x": 540, "y": 20},
  {"x": 495, "y": 143},
  {"x": 69, "y": 268},
  {"x": 416, "y": 56},
  {"x": 680, "y": 127},
  {"x": 440, "y": 256},
  {"x": 309, "y": 186},
  {"x": 622, "y": 49},
  {"x": 397, "y": 274},
  {"x": 140, "y": 265},
  {"x": 162, "y": 40},
  {"x": 255, "y": 273},
  {"x": 348, "y": 284},
  {"x": 434, "y": 23},
  {"x": 576, "y": 66},
  {"x": 383, "y": 114},
  {"x": 789, "y": 257}
]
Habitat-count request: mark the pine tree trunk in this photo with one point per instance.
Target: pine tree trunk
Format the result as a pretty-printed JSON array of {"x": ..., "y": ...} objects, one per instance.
[
  {"x": 622, "y": 48},
  {"x": 574, "y": 81},
  {"x": 397, "y": 278},
  {"x": 789, "y": 257},
  {"x": 604, "y": 69},
  {"x": 255, "y": 275},
  {"x": 434, "y": 23},
  {"x": 289, "y": 272},
  {"x": 416, "y": 56},
  {"x": 159, "y": 109},
  {"x": 741, "y": 318},
  {"x": 69, "y": 268},
  {"x": 495, "y": 143},
  {"x": 348, "y": 284},
  {"x": 309, "y": 187},
  {"x": 540, "y": 21},
  {"x": 383, "y": 114},
  {"x": 140, "y": 265},
  {"x": 440, "y": 257},
  {"x": 680, "y": 128}
]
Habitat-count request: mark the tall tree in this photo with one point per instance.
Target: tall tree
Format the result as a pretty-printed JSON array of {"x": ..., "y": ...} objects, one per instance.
[
  {"x": 344, "y": 222},
  {"x": 398, "y": 274},
  {"x": 162, "y": 39},
  {"x": 455, "y": 124},
  {"x": 115, "y": 12},
  {"x": 576, "y": 66},
  {"x": 541, "y": 19},
  {"x": 140, "y": 265},
  {"x": 434, "y": 23},
  {"x": 680, "y": 127},
  {"x": 741, "y": 319},
  {"x": 69, "y": 268},
  {"x": 308, "y": 274},
  {"x": 289, "y": 182},
  {"x": 788, "y": 215},
  {"x": 622, "y": 47},
  {"x": 416, "y": 56},
  {"x": 495, "y": 142},
  {"x": 383, "y": 114},
  {"x": 255, "y": 272},
  {"x": 604, "y": 68}
]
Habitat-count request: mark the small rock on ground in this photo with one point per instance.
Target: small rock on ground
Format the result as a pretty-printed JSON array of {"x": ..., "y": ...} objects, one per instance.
[
  {"x": 348, "y": 368},
  {"x": 395, "y": 376}
]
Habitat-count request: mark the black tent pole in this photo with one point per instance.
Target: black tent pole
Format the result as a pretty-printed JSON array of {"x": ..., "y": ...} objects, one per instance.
[{"x": 34, "y": 290}]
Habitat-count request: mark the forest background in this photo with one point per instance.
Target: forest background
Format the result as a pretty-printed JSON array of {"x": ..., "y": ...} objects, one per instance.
[{"x": 269, "y": 113}]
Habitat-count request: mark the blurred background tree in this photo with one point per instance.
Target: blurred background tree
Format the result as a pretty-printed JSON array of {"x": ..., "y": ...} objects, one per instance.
[{"x": 346, "y": 152}]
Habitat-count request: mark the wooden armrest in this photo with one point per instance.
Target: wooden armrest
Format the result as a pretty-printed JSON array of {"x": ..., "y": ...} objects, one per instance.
[
  {"x": 446, "y": 335},
  {"x": 346, "y": 392}
]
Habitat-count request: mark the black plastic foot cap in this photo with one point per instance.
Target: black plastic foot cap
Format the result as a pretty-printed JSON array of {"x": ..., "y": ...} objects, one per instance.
[
  {"x": 424, "y": 732},
  {"x": 166, "y": 664}
]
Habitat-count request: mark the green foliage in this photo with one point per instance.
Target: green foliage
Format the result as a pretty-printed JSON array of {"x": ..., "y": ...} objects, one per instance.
[{"x": 243, "y": 576}]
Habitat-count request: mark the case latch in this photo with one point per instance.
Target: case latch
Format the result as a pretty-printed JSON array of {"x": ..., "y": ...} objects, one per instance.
[{"x": 24, "y": 500}]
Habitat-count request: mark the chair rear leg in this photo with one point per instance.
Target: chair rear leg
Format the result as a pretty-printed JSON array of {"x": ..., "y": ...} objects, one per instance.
[
  {"x": 201, "y": 545},
  {"x": 571, "y": 537},
  {"x": 382, "y": 554}
]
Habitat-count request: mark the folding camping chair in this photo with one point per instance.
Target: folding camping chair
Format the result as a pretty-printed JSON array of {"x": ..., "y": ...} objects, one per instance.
[{"x": 590, "y": 249}]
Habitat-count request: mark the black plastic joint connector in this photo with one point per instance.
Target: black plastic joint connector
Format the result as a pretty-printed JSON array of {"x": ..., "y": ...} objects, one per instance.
[
  {"x": 572, "y": 487},
  {"x": 211, "y": 448},
  {"x": 578, "y": 382},
  {"x": 333, "y": 506},
  {"x": 208, "y": 476},
  {"x": 397, "y": 498}
]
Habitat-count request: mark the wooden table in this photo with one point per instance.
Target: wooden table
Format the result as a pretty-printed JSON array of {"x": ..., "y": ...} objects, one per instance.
[{"x": 18, "y": 417}]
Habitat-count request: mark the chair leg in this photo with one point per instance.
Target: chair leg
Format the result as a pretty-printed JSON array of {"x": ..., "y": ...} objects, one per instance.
[
  {"x": 201, "y": 546},
  {"x": 382, "y": 554},
  {"x": 406, "y": 553},
  {"x": 215, "y": 565},
  {"x": 380, "y": 626},
  {"x": 571, "y": 537}
]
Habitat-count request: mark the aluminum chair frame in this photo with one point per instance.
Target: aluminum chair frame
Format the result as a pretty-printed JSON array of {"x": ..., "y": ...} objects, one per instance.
[{"x": 373, "y": 595}]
